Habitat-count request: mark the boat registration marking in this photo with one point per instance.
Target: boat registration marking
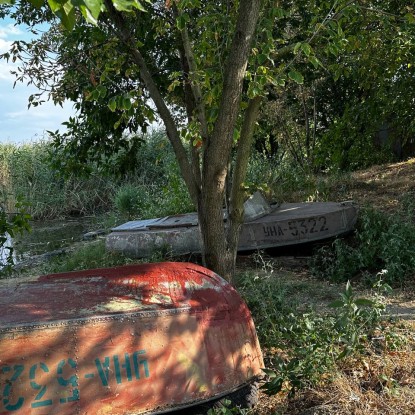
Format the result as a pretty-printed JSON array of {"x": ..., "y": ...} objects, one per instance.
[
  {"x": 297, "y": 227},
  {"x": 124, "y": 368}
]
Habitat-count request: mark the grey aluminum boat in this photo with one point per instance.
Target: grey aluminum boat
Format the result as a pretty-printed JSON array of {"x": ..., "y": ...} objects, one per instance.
[{"x": 283, "y": 225}]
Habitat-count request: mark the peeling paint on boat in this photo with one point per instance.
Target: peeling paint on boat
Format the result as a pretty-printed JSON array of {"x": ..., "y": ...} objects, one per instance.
[{"x": 126, "y": 340}]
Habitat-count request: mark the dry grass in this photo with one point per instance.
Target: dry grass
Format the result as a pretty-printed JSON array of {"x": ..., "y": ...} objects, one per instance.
[
  {"x": 380, "y": 187},
  {"x": 376, "y": 383}
]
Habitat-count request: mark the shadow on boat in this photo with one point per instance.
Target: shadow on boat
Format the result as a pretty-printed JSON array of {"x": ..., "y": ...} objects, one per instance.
[{"x": 135, "y": 339}]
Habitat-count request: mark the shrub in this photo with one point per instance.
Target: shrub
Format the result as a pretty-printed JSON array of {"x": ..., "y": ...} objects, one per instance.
[
  {"x": 381, "y": 242},
  {"x": 130, "y": 200},
  {"x": 304, "y": 347}
]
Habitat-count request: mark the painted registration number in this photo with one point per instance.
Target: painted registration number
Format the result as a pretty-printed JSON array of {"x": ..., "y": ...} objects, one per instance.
[{"x": 63, "y": 378}]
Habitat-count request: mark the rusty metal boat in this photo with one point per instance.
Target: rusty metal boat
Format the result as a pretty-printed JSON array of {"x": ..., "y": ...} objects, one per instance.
[
  {"x": 282, "y": 225},
  {"x": 129, "y": 340}
]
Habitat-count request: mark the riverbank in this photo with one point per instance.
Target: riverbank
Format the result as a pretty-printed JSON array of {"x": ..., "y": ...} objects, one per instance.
[{"x": 349, "y": 359}]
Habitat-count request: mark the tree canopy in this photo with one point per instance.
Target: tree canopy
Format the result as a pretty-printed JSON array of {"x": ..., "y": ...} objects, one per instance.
[{"x": 203, "y": 68}]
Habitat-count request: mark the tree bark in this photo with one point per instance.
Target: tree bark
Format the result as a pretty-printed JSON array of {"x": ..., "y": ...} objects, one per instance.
[
  {"x": 219, "y": 250},
  {"x": 219, "y": 256},
  {"x": 236, "y": 211}
]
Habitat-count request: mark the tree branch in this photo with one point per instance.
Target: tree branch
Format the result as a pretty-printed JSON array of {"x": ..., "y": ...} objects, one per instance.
[
  {"x": 196, "y": 90},
  {"x": 220, "y": 143},
  {"x": 129, "y": 41}
]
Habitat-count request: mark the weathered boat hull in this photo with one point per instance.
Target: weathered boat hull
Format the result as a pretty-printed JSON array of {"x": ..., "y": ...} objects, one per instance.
[
  {"x": 290, "y": 223},
  {"x": 127, "y": 340}
]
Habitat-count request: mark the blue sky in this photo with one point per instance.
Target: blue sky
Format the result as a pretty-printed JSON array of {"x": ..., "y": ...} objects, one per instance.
[{"x": 17, "y": 123}]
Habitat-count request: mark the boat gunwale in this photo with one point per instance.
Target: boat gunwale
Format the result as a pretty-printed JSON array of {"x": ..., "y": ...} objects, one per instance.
[
  {"x": 195, "y": 403},
  {"x": 276, "y": 209}
]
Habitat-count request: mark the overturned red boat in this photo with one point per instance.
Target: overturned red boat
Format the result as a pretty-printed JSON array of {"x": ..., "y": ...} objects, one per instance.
[{"x": 128, "y": 340}]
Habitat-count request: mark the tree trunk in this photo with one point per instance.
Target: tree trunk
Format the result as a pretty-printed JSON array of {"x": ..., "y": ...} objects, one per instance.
[
  {"x": 220, "y": 256},
  {"x": 219, "y": 251},
  {"x": 236, "y": 211}
]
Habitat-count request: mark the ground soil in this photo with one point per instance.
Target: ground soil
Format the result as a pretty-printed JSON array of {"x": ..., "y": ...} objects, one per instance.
[
  {"x": 381, "y": 187},
  {"x": 381, "y": 383}
]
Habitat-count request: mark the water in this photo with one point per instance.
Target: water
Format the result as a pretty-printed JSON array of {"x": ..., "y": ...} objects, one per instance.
[{"x": 48, "y": 236}]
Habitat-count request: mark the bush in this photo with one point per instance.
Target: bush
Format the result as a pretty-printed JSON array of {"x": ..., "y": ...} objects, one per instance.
[
  {"x": 381, "y": 243},
  {"x": 129, "y": 200},
  {"x": 303, "y": 348},
  {"x": 26, "y": 174}
]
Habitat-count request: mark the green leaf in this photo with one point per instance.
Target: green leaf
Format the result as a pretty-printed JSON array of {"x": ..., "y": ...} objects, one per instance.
[
  {"x": 128, "y": 5},
  {"x": 336, "y": 304},
  {"x": 297, "y": 47},
  {"x": 68, "y": 18},
  {"x": 270, "y": 373},
  {"x": 281, "y": 80},
  {"x": 410, "y": 17},
  {"x": 348, "y": 291},
  {"x": 37, "y": 3},
  {"x": 88, "y": 15},
  {"x": 94, "y": 95},
  {"x": 54, "y": 5},
  {"x": 126, "y": 103},
  {"x": 112, "y": 105},
  {"x": 65, "y": 11},
  {"x": 182, "y": 20},
  {"x": 102, "y": 91},
  {"x": 315, "y": 62},
  {"x": 262, "y": 58},
  {"x": 306, "y": 48},
  {"x": 94, "y": 7},
  {"x": 296, "y": 77},
  {"x": 278, "y": 12}
]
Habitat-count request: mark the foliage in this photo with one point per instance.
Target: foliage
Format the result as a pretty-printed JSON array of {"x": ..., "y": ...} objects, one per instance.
[
  {"x": 370, "y": 68},
  {"x": 284, "y": 181},
  {"x": 206, "y": 66},
  {"x": 155, "y": 183},
  {"x": 307, "y": 346},
  {"x": 350, "y": 143},
  {"x": 380, "y": 242},
  {"x": 129, "y": 200},
  {"x": 26, "y": 173},
  {"x": 226, "y": 408},
  {"x": 356, "y": 315}
]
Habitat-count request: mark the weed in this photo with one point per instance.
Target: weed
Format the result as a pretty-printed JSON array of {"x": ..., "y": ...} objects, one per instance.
[
  {"x": 381, "y": 242},
  {"x": 225, "y": 407},
  {"x": 357, "y": 318},
  {"x": 86, "y": 256},
  {"x": 303, "y": 348}
]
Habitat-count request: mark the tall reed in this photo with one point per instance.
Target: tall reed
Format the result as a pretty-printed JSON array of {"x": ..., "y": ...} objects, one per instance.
[{"x": 25, "y": 174}]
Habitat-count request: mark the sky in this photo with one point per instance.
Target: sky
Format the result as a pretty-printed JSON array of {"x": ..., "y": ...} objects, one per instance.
[{"x": 18, "y": 124}]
